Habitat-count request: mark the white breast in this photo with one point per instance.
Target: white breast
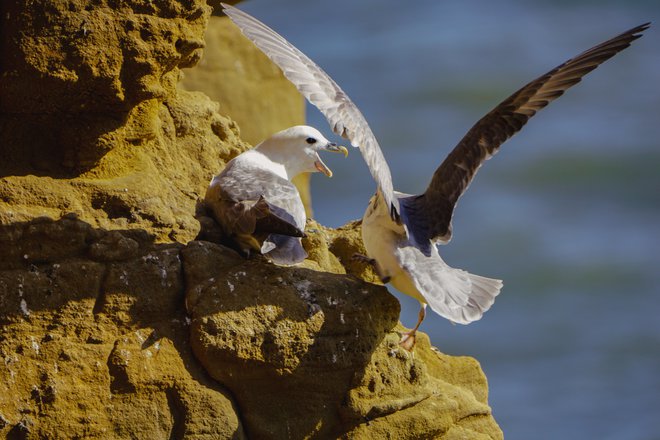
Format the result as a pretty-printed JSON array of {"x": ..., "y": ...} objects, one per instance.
[{"x": 382, "y": 239}]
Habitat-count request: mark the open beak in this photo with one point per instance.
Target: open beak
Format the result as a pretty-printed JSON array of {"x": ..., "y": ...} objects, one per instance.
[
  {"x": 335, "y": 149},
  {"x": 318, "y": 163}
]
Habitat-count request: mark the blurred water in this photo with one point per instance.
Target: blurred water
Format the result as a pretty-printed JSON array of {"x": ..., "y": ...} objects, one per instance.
[{"x": 568, "y": 213}]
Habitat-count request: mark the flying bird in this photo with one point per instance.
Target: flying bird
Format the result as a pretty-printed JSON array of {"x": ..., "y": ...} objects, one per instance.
[
  {"x": 253, "y": 198},
  {"x": 400, "y": 231}
]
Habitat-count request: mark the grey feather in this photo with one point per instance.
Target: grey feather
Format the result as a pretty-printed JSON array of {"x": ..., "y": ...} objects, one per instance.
[
  {"x": 281, "y": 196},
  {"x": 285, "y": 250},
  {"x": 320, "y": 90},
  {"x": 252, "y": 210},
  {"x": 452, "y": 293}
]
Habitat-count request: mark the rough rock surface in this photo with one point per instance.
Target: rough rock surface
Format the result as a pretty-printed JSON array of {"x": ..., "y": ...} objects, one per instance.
[
  {"x": 315, "y": 355},
  {"x": 251, "y": 85},
  {"x": 99, "y": 330},
  {"x": 91, "y": 121},
  {"x": 113, "y": 323},
  {"x": 95, "y": 339}
]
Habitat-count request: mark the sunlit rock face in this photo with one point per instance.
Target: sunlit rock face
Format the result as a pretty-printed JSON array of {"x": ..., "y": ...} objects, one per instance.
[{"x": 115, "y": 322}]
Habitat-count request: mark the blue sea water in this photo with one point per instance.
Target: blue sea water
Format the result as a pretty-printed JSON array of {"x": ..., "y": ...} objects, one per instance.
[{"x": 567, "y": 214}]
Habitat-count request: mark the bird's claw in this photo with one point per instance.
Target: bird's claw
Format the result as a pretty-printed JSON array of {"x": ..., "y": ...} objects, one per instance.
[
  {"x": 371, "y": 262},
  {"x": 408, "y": 341},
  {"x": 363, "y": 259}
]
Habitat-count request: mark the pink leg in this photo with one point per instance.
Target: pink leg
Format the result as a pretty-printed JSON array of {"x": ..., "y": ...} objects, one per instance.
[{"x": 408, "y": 339}]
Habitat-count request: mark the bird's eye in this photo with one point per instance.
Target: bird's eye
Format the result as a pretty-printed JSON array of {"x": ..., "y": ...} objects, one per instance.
[{"x": 311, "y": 140}]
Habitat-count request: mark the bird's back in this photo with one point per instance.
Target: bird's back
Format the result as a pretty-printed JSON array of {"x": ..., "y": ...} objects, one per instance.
[{"x": 251, "y": 200}]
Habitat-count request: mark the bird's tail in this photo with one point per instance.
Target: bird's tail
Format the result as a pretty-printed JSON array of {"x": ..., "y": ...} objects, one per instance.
[
  {"x": 484, "y": 291},
  {"x": 283, "y": 250},
  {"x": 462, "y": 297}
]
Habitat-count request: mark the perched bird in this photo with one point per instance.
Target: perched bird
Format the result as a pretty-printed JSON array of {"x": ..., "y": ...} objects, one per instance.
[
  {"x": 400, "y": 231},
  {"x": 253, "y": 198}
]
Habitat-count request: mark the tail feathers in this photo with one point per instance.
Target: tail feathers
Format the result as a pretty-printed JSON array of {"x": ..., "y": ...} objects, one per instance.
[
  {"x": 484, "y": 291},
  {"x": 462, "y": 297},
  {"x": 283, "y": 250}
]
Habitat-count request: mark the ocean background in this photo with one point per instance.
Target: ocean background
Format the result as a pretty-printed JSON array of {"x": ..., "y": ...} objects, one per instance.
[{"x": 567, "y": 214}]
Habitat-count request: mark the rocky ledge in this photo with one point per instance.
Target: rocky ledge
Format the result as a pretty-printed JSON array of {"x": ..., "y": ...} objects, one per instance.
[
  {"x": 117, "y": 318},
  {"x": 108, "y": 334}
]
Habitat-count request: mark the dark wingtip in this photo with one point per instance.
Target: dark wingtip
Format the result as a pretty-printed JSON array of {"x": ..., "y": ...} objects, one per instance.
[
  {"x": 636, "y": 32},
  {"x": 394, "y": 214}
]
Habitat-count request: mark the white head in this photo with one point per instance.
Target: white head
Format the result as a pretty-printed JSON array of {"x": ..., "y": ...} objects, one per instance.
[{"x": 297, "y": 149}]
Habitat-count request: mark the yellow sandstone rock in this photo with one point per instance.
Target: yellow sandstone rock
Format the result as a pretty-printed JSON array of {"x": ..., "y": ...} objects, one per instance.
[{"x": 114, "y": 322}]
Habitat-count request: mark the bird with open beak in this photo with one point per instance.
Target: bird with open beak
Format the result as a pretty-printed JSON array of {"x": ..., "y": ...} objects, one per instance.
[{"x": 254, "y": 201}]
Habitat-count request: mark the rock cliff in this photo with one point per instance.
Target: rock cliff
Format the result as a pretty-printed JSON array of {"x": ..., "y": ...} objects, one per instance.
[{"x": 115, "y": 322}]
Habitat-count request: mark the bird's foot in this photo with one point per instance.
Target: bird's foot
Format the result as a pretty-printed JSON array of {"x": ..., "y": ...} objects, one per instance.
[
  {"x": 408, "y": 341},
  {"x": 363, "y": 259},
  {"x": 371, "y": 262}
]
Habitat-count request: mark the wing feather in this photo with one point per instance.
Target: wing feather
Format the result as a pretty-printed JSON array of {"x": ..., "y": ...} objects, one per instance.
[
  {"x": 264, "y": 201},
  {"x": 320, "y": 90},
  {"x": 452, "y": 293},
  {"x": 429, "y": 215}
]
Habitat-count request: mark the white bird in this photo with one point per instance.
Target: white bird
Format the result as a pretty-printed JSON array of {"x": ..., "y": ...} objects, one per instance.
[
  {"x": 401, "y": 231},
  {"x": 253, "y": 198}
]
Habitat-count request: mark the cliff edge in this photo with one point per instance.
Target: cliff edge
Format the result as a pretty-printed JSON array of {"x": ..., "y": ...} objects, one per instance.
[{"x": 115, "y": 322}]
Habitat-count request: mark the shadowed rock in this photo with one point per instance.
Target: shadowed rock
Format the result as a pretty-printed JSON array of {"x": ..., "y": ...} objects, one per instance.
[{"x": 95, "y": 341}]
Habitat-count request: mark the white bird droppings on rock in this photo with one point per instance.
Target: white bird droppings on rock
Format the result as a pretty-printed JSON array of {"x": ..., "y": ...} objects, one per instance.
[
  {"x": 303, "y": 289},
  {"x": 24, "y": 308},
  {"x": 35, "y": 345}
]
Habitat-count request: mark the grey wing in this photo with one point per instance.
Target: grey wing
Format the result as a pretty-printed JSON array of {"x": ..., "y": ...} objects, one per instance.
[
  {"x": 259, "y": 202},
  {"x": 320, "y": 90},
  {"x": 428, "y": 216},
  {"x": 284, "y": 201},
  {"x": 284, "y": 250}
]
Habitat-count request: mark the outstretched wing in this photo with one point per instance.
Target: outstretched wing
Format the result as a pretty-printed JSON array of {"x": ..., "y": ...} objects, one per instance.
[
  {"x": 428, "y": 216},
  {"x": 320, "y": 90}
]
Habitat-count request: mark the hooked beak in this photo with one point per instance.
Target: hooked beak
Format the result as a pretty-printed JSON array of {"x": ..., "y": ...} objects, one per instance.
[{"x": 335, "y": 149}]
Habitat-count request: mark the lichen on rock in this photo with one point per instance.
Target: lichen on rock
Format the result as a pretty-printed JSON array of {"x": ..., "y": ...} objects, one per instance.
[
  {"x": 94, "y": 338},
  {"x": 313, "y": 354},
  {"x": 115, "y": 322}
]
